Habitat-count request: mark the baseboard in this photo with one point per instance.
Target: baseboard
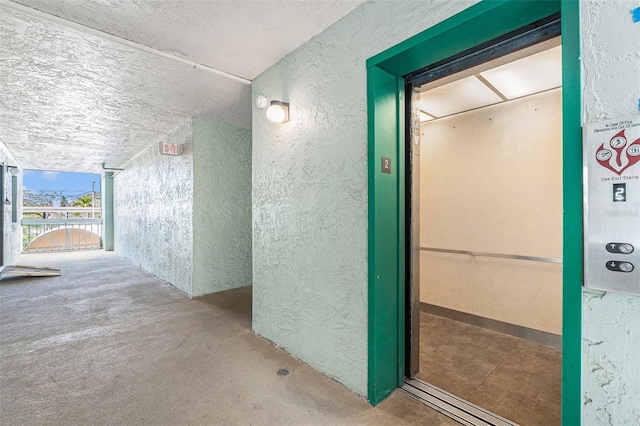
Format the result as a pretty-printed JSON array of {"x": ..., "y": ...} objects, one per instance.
[{"x": 537, "y": 336}]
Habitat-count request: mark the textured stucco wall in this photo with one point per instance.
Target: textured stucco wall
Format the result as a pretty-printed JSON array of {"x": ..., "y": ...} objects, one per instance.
[
  {"x": 310, "y": 189},
  {"x": 153, "y": 211},
  {"x": 611, "y": 334},
  {"x": 12, "y": 231},
  {"x": 222, "y": 207}
]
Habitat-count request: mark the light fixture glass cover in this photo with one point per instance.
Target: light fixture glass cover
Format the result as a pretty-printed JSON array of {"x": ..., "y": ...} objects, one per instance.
[
  {"x": 13, "y": 170},
  {"x": 278, "y": 112}
]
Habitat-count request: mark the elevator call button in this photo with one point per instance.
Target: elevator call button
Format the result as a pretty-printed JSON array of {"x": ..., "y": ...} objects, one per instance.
[
  {"x": 615, "y": 266},
  {"x": 621, "y": 248}
]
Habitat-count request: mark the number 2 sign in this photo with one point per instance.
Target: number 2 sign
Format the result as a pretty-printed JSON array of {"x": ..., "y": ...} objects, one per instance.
[{"x": 386, "y": 165}]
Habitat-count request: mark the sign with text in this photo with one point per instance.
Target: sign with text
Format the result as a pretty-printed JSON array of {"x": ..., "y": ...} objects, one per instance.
[
  {"x": 167, "y": 148},
  {"x": 612, "y": 205}
]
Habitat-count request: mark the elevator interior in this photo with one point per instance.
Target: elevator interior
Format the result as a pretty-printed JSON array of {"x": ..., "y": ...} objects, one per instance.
[{"x": 490, "y": 234}]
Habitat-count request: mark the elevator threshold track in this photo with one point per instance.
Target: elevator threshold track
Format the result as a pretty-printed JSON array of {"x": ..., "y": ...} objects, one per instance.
[{"x": 450, "y": 405}]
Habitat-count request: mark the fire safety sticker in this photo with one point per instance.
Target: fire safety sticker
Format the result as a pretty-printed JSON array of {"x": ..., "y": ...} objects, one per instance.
[{"x": 618, "y": 144}]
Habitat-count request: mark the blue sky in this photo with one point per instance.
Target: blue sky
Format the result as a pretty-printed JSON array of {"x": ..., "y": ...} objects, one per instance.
[{"x": 75, "y": 183}]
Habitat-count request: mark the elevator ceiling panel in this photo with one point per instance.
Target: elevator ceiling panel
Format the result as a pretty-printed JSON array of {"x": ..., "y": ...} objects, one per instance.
[
  {"x": 526, "y": 76},
  {"x": 461, "y": 95},
  {"x": 522, "y": 73}
]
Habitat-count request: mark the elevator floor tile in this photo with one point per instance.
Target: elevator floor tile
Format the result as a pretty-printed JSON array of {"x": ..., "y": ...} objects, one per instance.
[{"x": 512, "y": 377}]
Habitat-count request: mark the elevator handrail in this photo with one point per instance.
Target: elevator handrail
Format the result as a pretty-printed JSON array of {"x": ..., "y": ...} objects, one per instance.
[{"x": 503, "y": 256}]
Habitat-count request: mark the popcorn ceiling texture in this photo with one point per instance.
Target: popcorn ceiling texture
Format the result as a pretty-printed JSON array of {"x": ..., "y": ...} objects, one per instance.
[
  {"x": 310, "y": 189},
  {"x": 221, "y": 207},
  {"x": 82, "y": 100},
  {"x": 240, "y": 37},
  {"x": 611, "y": 337},
  {"x": 105, "y": 102},
  {"x": 153, "y": 211}
]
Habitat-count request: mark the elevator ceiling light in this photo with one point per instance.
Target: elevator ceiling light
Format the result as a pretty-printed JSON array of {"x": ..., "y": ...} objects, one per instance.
[
  {"x": 526, "y": 76},
  {"x": 278, "y": 112},
  {"x": 425, "y": 117},
  {"x": 462, "y": 95},
  {"x": 510, "y": 78}
]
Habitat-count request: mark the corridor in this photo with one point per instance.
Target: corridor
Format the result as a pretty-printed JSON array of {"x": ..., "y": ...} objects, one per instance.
[{"x": 107, "y": 343}]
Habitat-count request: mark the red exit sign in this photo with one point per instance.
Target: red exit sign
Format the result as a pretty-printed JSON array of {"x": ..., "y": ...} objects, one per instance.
[{"x": 167, "y": 148}]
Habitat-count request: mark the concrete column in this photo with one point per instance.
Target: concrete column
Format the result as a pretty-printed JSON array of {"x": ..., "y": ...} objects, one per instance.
[{"x": 107, "y": 210}]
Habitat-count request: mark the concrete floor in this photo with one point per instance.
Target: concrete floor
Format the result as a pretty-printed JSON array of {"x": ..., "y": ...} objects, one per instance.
[
  {"x": 107, "y": 344},
  {"x": 512, "y": 377}
]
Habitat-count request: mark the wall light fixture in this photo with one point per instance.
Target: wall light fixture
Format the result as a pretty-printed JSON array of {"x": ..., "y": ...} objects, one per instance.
[
  {"x": 7, "y": 202},
  {"x": 278, "y": 112},
  {"x": 262, "y": 101},
  {"x": 13, "y": 170}
]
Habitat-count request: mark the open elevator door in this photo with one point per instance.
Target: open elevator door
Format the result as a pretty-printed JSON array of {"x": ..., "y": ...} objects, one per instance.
[
  {"x": 449, "y": 404},
  {"x": 510, "y": 44},
  {"x": 412, "y": 231}
]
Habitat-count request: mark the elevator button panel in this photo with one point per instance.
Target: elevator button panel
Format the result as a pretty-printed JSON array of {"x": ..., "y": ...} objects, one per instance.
[
  {"x": 612, "y": 205},
  {"x": 622, "y": 248},
  {"x": 620, "y": 266}
]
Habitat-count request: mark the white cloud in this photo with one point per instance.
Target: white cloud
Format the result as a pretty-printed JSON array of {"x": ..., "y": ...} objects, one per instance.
[{"x": 50, "y": 175}]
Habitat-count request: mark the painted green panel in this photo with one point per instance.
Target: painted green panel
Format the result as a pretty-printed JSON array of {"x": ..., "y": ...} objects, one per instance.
[
  {"x": 478, "y": 24},
  {"x": 401, "y": 264},
  {"x": 14, "y": 199},
  {"x": 572, "y": 215},
  {"x": 107, "y": 202},
  {"x": 383, "y": 241}
]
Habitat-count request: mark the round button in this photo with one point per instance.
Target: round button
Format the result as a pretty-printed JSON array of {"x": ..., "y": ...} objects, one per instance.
[
  {"x": 625, "y": 248},
  {"x": 625, "y": 267}
]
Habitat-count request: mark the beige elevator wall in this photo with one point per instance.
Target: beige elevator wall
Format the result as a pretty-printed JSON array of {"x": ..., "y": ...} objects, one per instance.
[{"x": 491, "y": 181}]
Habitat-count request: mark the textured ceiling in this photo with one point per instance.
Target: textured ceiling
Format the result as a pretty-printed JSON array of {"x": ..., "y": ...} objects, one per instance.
[{"x": 70, "y": 101}]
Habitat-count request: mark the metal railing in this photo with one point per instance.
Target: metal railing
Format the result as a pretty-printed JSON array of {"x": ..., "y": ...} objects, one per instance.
[
  {"x": 62, "y": 229},
  {"x": 48, "y": 212}
]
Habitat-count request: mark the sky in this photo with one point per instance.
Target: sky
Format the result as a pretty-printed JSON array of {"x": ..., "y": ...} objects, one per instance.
[{"x": 71, "y": 183}]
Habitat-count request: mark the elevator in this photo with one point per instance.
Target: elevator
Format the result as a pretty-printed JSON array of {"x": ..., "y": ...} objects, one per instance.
[{"x": 483, "y": 239}]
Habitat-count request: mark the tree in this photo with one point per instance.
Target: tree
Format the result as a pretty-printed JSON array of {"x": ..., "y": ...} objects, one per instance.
[
  {"x": 83, "y": 201},
  {"x": 39, "y": 198}
]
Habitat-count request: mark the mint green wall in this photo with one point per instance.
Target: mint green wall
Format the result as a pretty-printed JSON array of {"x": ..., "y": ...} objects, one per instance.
[
  {"x": 221, "y": 207},
  {"x": 153, "y": 211},
  {"x": 12, "y": 232},
  {"x": 310, "y": 189},
  {"x": 611, "y": 322},
  {"x": 107, "y": 211},
  {"x": 187, "y": 219}
]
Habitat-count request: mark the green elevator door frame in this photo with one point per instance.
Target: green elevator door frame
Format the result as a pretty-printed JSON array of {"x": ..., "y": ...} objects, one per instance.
[{"x": 478, "y": 24}]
